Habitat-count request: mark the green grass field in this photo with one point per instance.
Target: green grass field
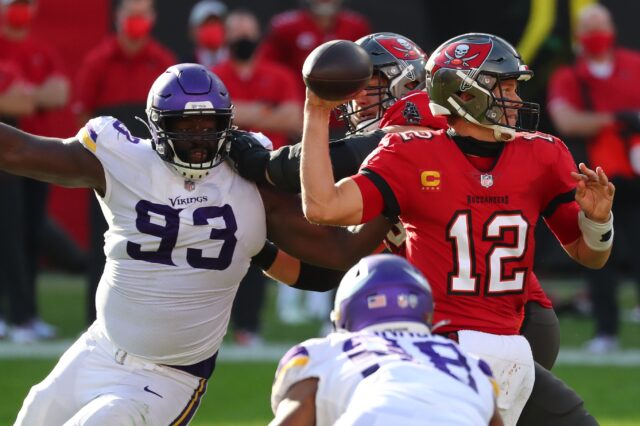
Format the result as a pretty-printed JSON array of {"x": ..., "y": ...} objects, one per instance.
[{"x": 238, "y": 394}]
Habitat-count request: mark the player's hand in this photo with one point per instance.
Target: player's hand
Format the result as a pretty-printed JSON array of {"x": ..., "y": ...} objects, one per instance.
[
  {"x": 594, "y": 193},
  {"x": 247, "y": 155},
  {"x": 317, "y": 102}
]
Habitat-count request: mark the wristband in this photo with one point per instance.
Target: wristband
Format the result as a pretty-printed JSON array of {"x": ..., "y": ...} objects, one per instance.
[
  {"x": 317, "y": 278},
  {"x": 597, "y": 236},
  {"x": 266, "y": 256}
]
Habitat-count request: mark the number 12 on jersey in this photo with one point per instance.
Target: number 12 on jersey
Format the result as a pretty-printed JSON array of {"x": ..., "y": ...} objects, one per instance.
[{"x": 464, "y": 278}]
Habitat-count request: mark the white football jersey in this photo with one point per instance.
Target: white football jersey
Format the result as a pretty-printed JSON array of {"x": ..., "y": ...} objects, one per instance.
[
  {"x": 176, "y": 250},
  {"x": 380, "y": 377}
]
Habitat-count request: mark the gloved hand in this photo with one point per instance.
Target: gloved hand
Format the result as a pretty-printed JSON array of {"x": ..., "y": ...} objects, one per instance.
[
  {"x": 248, "y": 156},
  {"x": 630, "y": 120}
]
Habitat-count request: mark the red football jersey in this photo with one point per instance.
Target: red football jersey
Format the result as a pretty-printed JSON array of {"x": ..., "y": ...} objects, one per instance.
[{"x": 471, "y": 232}]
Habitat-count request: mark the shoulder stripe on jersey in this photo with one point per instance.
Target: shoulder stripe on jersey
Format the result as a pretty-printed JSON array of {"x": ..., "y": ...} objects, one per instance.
[
  {"x": 92, "y": 133},
  {"x": 87, "y": 140},
  {"x": 295, "y": 351},
  {"x": 553, "y": 205},
  {"x": 495, "y": 386},
  {"x": 296, "y": 361},
  {"x": 391, "y": 208}
]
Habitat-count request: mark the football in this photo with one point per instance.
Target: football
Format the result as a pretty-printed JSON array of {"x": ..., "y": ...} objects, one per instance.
[{"x": 337, "y": 70}]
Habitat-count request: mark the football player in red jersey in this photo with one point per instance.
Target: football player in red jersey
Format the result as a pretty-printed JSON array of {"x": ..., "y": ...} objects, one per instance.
[
  {"x": 393, "y": 99},
  {"x": 469, "y": 198}
]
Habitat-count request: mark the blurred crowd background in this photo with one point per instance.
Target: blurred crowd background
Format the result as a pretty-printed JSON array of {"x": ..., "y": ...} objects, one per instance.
[{"x": 64, "y": 61}]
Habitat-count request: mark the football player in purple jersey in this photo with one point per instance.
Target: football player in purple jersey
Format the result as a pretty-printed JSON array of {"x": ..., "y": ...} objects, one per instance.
[
  {"x": 382, "y": 365},
  {"x": 183, "y": 230}
]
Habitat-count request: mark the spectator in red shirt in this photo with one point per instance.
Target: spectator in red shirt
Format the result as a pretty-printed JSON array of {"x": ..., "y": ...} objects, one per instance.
[
  {"x": 265, "y": 94},
  {"x": 16, "y": 95},
  {"x": 597, "y": 101},
  {"x": 206, "y": 30},
  {"x": 39, "y": 66},
  {"x": 119, "y": 71},
  {"x": 294, "y": 34},
  {"x": 16, "y": 99},
  {"x": 266, "y": 99},
  {"x": 114, "y": 79}
]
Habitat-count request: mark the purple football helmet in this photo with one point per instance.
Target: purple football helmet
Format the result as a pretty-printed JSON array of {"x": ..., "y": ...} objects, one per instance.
[
  {"x": 183, "y": 91},
  {"x": 382, "y": 289}
]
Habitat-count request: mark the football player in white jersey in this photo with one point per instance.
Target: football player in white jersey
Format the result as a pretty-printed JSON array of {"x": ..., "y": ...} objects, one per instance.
[
  {"x": 183, "y": 229},
  {"x": 383, "y": 366}
]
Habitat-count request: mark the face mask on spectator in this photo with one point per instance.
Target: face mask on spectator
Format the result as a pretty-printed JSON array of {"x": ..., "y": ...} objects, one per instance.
[
  {"x": 243, "y": 48},
  {"x": 137, "y": 27},
  {"x": 597, "y": 42},
  {"x": 19, "y": 15},
  {"x": 211, "y": 35}
]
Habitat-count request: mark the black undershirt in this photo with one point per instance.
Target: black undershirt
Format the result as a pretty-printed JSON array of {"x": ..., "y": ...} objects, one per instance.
[{"x": 471, "y": 146}]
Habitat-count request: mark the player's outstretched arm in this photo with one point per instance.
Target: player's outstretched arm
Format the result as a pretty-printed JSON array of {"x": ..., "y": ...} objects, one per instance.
[
  {"x": 496, "y": 420},
  {"x": 594, "y": 195},
  {"x": 326, "y": 246},
  {"x": 298, "y": 408},
  {"x": 295, "y": 273},
  {"x": 281, "y": 168},
  {"x": 52, "y": 160},
  {"x": 323, "y": 200}
]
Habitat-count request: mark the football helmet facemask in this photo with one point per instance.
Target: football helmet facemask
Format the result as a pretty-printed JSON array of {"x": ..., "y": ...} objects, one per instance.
[
  {"x": 463, "y": 74},
  {"x": 383, "y": 292},
  {"x": 189, "y": 113},
  {"x": 399, "y": 65}
]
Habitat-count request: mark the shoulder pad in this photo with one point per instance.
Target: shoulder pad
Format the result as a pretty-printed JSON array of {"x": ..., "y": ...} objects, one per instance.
[
  {"x": 101, "y": 131},
  {"x": 296, "y": 356},
  {"x": 537, "y": 136},
  {"x": 411, "y": 135},
  {"x": 89, "y": 134}
]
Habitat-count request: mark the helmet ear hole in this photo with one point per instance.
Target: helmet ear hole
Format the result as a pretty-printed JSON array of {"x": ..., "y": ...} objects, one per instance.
[
  {"x": 411, "y": 85},
  {"x": 465, "y": 96}
]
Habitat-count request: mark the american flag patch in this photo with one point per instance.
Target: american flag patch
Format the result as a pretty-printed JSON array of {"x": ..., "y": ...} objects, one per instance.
[{"x": 377, "y": 301}]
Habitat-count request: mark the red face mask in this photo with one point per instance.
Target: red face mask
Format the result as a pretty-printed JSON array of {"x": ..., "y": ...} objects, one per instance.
[
  {"x": 19, "y": 15},
  {"x": 137, "y": 27},
  {"x": 211, "y": 35},
  {"x": 597, "y": 42}
]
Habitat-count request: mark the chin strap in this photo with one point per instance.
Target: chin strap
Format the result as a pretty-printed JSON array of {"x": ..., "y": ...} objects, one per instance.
[{"x": 503, "y": 134}]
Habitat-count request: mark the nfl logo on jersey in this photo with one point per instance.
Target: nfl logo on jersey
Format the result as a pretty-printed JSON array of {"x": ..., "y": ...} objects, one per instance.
[
  {"x": 189, "y": 185},
  {"x": 486, "y": 180}
]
